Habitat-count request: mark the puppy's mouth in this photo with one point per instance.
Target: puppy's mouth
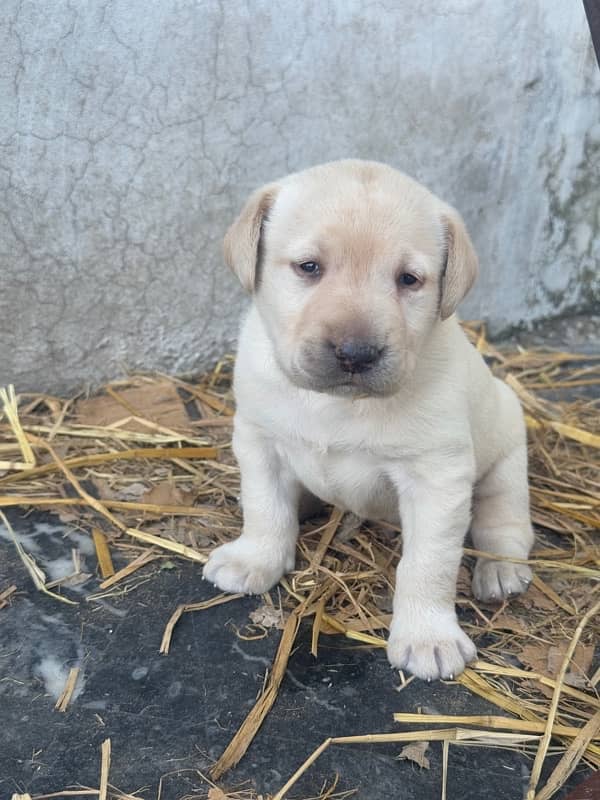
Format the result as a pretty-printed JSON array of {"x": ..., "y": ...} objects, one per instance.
[
  {"x": 355, "y": 387},
  {"x": 326, "y": 375}
]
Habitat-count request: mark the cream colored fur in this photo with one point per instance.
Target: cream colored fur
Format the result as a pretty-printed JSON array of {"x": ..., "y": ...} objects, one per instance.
[{"x": 427, "y": 436}]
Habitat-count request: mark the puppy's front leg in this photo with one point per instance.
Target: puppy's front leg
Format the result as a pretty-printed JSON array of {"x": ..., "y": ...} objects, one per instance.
[
  {"x": 265, "y": 551},
  {"x": 425, "y": 637}
]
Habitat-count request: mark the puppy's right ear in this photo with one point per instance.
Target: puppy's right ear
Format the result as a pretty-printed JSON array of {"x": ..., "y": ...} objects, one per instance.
[
  {"x": 242, "y": 240},
  {"x": 462, "y": 265}
]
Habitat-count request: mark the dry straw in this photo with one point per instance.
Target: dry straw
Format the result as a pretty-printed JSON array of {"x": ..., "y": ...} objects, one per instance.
[
  {"x": 67, "y": 693},
  {"x": 104, "y": 770},
  {"x": 146, "y": 468}
]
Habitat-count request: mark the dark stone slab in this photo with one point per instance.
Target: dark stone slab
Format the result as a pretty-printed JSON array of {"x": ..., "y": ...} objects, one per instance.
[{"x": 173, "y": 715}]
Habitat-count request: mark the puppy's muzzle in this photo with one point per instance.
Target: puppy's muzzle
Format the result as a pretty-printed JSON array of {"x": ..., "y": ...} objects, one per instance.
[{"x": 356, "y": 355}]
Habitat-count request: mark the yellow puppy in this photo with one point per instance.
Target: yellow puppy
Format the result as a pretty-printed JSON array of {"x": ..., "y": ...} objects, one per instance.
[{"x": 355, "y": 382}]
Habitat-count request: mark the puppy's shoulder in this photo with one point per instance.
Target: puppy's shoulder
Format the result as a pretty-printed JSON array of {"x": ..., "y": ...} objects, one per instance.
[{"x": 255, "y": 359}]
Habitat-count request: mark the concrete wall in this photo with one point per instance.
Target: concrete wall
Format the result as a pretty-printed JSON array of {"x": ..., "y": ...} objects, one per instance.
[{"x": 131, "y": 131}]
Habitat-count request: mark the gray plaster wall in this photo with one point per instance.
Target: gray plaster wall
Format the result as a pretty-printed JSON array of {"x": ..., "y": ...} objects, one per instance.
[{"x": 132, "y": 130}]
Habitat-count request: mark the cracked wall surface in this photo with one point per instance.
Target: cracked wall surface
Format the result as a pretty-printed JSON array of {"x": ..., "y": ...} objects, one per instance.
[{"x": 131, "y": 132}]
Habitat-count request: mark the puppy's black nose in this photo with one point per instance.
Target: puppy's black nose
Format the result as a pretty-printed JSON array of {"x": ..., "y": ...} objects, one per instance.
[{"x": 357, "y": 355}]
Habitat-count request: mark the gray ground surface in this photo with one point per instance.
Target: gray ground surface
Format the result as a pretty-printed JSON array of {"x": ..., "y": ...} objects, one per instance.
[{"x": 173, "y": 715}]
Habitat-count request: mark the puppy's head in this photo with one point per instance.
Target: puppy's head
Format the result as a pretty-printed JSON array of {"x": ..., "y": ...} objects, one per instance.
[{"x": 352, "y": 264}]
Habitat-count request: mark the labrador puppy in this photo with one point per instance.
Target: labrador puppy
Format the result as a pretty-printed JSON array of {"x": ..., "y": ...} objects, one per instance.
[{"x": 355, "y": 383}]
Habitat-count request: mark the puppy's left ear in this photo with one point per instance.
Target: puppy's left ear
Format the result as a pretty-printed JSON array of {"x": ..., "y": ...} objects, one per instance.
[
  {"x": 242, "y": 240},
  {"x": 462, "y": 264}
]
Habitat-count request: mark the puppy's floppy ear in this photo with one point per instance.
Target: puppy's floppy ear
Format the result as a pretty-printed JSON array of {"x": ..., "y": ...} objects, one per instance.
[
  {"x": 462, "y": 264},
  {"x": 242, "y": 240}
]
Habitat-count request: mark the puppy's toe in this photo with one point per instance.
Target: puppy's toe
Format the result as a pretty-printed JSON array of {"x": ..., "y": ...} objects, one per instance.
[
  {"x": 494, "y": 581},
  {"x": 240, "y": 567},
  {"x": 429, "y": 653},
  {"x": 233, "y": 576}
]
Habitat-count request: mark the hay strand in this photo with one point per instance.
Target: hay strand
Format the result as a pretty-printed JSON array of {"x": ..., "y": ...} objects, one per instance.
[
  {"x": 545, "y": 741},
  {"x": 462, "y": 735},
  {"x": 280, "y": 795},
  {"x": 149, "y": 453},
  {"x": 140, "y": 561},
  {"x": 487, "y": 721},
  {"x": 104, "y": 770},
  {"x": 248, "y": 729},
  {"x": 103, "y": 553},
  {"x": 67, "y": 693},
  {"x": 91, "y": 501},
  {"x": 10, "y": 408},
  {"x": 37, "y": 575},
  {"x": 571, "y": 757},
  {"x": 182, "y": 609},
  {"x": 167, "y": 544},
  {"x": 5, "y": 595}
]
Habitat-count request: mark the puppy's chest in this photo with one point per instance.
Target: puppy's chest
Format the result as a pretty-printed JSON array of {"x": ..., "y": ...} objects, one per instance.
[
  {"x": 343, "y": 457},
  {"x": 354, "y": 480}
]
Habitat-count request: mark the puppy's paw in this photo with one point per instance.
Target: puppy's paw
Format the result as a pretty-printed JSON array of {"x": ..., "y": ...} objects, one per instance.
[
  {"x": 430, "y": 649},
  {"x": 243, "y": 566},
  {"x": 494, "y": 581}
]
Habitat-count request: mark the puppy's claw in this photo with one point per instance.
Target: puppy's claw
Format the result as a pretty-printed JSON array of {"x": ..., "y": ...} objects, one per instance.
[
  {"x": 494, "y": 581},
  {"x": 434, "y": 649}
]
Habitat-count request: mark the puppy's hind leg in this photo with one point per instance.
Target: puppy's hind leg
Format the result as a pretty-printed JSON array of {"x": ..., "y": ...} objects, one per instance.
[{"x": 501, "y": 525}]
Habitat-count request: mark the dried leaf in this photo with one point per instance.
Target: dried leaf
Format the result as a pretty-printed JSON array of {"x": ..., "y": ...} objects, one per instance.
[
  {"x": 160, "y": 404},
  {"x": 62, "y": 449},
  {"x": 64, "y": 514},
  {"x": 415, "y": 752},
  {"x": 547, "y": 660},
  {"x": 533, "y": 598},
  {"x": 508, "y": 622},
  {"x": 535, "y": 656},
  {"x": 580, "y": 663},
  {"x": 132, "y": 491},
  {"x": 167, "y": 494},
  {"x": 268, "y": 617},
  {"x": 105, "y": 490},
  {"x": 214, "y": 793},
  {"x": 576, "y": 680},
  {"x": 73, "y": 580}
]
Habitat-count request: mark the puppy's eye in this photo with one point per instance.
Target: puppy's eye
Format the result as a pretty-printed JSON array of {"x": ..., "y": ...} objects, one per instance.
[
  {"x": 408, "y": 279},
  {"x": 309, "y": 268}
]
